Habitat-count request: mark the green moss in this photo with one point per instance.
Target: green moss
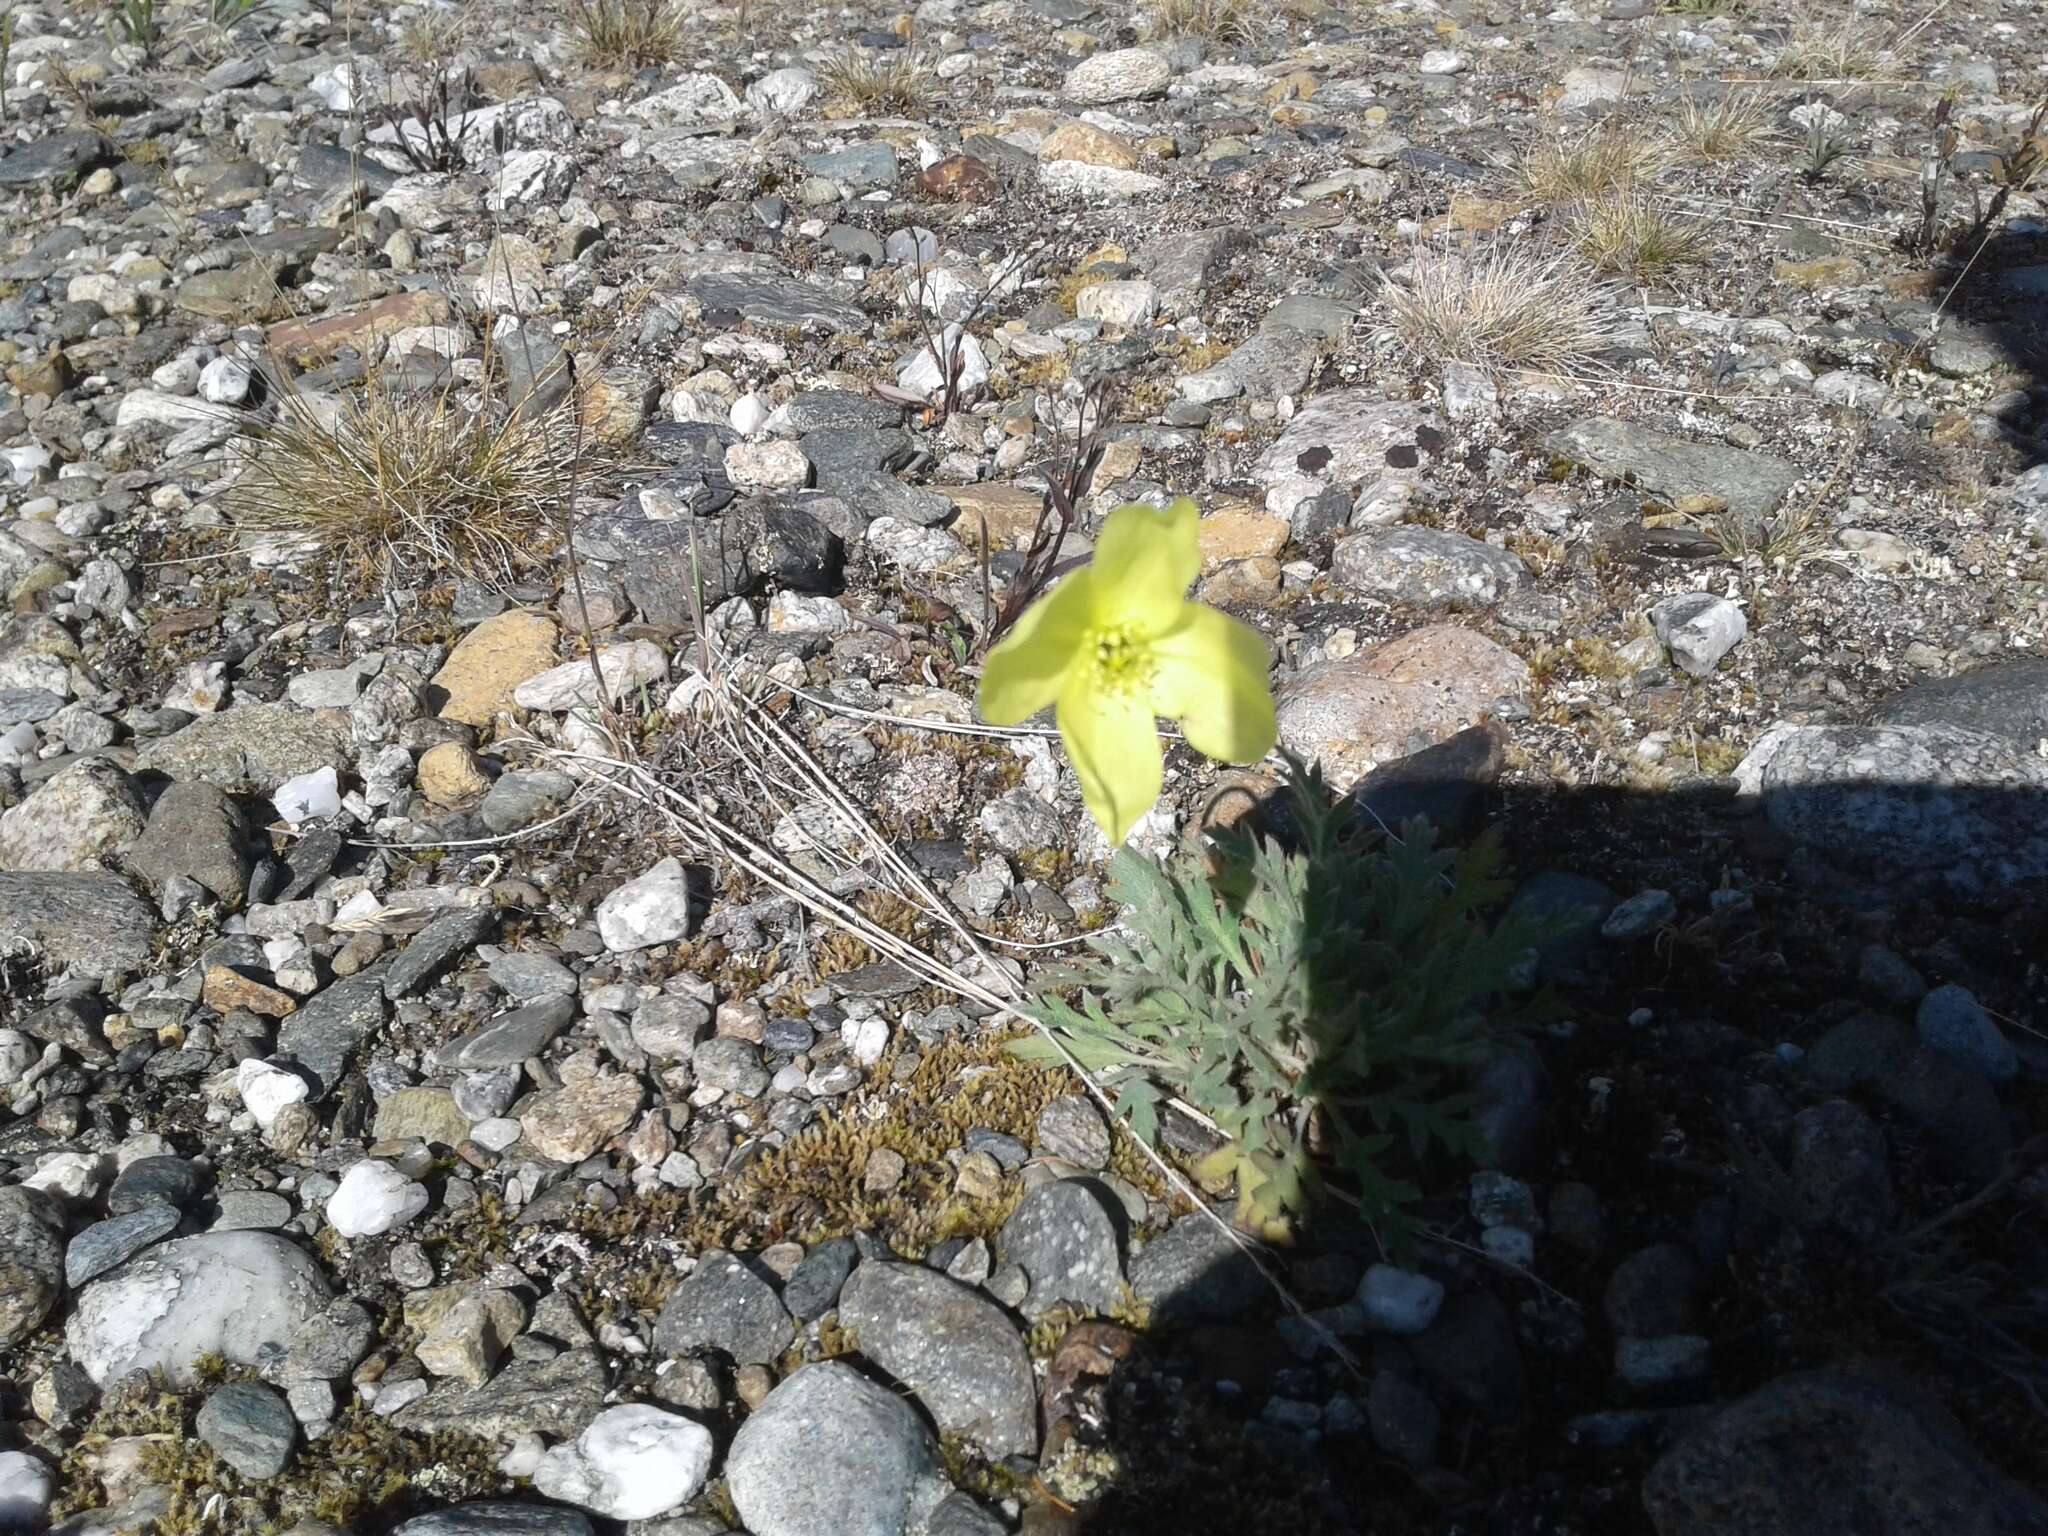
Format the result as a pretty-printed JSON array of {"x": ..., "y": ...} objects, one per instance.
[
  {"x": 812, "y": 1189},
  {"x": 362, "y": 1471}
]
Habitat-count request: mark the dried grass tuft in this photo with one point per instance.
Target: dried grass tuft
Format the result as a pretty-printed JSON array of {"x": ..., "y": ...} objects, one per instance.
[
  {"x": 627, "y": 34},
  {"x": 875, "y": 83},
  {"x": 1839, "y": 49},
  {"x": 1726, "y": 128},
  {"x": 1504, "y": 308},
  {"x": 1606, "y": 160},
  {"x": 1221, "y": 21},
  {"x": 394, "y": 485},
  {"x": 1626, "y": 233}
]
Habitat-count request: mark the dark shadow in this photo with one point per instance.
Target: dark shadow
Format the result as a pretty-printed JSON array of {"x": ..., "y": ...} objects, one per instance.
[
  {"x": 1992, "y": 286},
  {"x": 1736, "y": 1142}
]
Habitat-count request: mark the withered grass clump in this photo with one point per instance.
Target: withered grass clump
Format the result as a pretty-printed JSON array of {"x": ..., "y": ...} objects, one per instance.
[
  {"x": 627, "y": 34},
  {"x": 1626, "y": 233},
  {"x": 1726, "y": 128},
  {"x": 874, "y": 83},
  {"x": 1221, "y": 21},
  {"x": 1503, "y": 308},
  {"x": 1838, "y": 49},
  {"x": 1609, "y": 159},
  {"x": 388, "y": 484}
]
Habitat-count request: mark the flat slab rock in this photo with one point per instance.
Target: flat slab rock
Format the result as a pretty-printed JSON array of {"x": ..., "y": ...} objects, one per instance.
[
  {"x": 950, "y": 1345},
  {"x": 1350, "y": 437},
  {"x": 555, "y": 1397},
  {"x": 774, "y": 300},
  {"x": 1878, "y": 808},
  {"x": 91, "y": 922},
  {"x": 226, "y": 1293},
  {"x": 1834, "y": 1451},
  {"x": 2007, "y": 699},
  {"x": 252, "y": 748},
  {"x": 1752, "y": 484}
]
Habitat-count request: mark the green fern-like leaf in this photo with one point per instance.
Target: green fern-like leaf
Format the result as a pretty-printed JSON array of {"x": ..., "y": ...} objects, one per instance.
[{"x": 1347, "y": 979}]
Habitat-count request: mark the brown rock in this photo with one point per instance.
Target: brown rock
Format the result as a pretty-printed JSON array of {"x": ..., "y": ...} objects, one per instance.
[
  {"x": 471, "y": 1335},
  {"x": 1089, "y": 145},
  {"x": 1119, "y": 461},
  {"x": 1821, "y": 272},
  {"x": 1010, "y": 511},
  {"x": 575, "y": 1121},
  {"x": 506, "y": 79},
  {"x": 423, "y": 1114},
  {"x": 49, "y": 374},
  {"x": 246, "y": 291},
  {"x": 959, "y": 179},
  {"x": 616, "y": 402},
  {"x": 980, "y": 1177},
  {"x": 1238, "y": 533},
  {"x": 450, "y": 774},
  {"x": 182, "y": 621},
  {"x": 314, "y": 341},
  {"x": 224, "y": 989},
  {"x": 1241, "y": 583},
  {"x": 490, "y": 661},
  {"x": 1358, "y": 712},
  {"x": 1476, "y": 215}
]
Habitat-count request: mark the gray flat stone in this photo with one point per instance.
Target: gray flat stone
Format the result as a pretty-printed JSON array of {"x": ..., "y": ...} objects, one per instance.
[
  {"x": 253, "y": 748},
  {"x": 91, "y": 922},
  {"x": 2007, "y": 699},
  {"x": 250, "y": 1427},
  {"x": 550, "y": 1397},
  {"x": 950, "y": 1345},
  {"x": 770, "y": 299},
  {"x": 1194, "y": 1273},
  {"x": 324, "y": 1034},
  {"x": 494, "y": 1517},
  {"x": 50, "y": 160},
  {"x": 1876, "y": 810},
  {"x": 1064, "y": 1237},
  {"x": 724, "y": 1305},
  {"x": 105, "y": 1244},
  {"x": 1751, "y": 483},
  {"x": 831, "y": 1453},
  {"x": 510, "y": 1038}
]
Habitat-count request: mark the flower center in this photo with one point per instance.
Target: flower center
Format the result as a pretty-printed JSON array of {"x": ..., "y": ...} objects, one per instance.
[{"x": 1123, "y": 662}]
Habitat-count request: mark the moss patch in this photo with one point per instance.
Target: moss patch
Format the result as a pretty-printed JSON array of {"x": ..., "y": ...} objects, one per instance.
[{"x": 363, "y": 1473}]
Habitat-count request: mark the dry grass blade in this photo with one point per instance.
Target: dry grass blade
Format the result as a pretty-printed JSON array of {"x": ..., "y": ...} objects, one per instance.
[
  {"x": 1799, "y": 531},
  {"x": 737, "y": 734},
  {"x": 432, "y": 36},
  {"x": 1726, "y": 128},
  {"x": 1626, "y": 233},
  {"x": 1504, "y": 308},
  {"x": 1222, "y": 21},
  {"x": 1592, "y": 165},
  {"x": 874, "y": 83},
  {"x": 384, "y": 483},
  {"x": 1838, "y": 50},
  {"x": 627, "y": 34}
]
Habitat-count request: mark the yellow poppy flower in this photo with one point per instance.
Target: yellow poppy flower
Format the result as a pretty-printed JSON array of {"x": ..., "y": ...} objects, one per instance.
[{"x": 1117, "y": 644}]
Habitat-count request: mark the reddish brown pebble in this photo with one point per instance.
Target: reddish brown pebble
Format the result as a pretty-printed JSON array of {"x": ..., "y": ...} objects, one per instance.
[{"x": 958, "y": 179}]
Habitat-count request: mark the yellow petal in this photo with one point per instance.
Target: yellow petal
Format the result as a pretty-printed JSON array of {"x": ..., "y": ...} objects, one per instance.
[
  {"x": 1114, "y": 744},
  {"x": 1210, "y": 675},
  {"x": 1027, "y": 670},
  {"x": 1144, "y": 562}
]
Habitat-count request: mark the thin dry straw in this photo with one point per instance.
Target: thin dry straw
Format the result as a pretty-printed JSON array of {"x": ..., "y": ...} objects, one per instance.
[{"x": 692, "y": 816}]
